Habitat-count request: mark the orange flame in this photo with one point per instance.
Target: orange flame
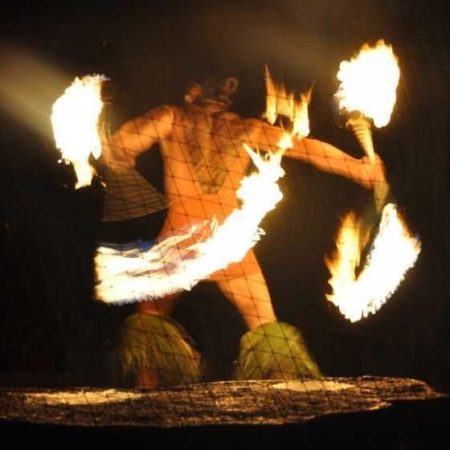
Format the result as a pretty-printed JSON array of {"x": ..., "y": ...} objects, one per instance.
[{"x": 279, "y": 102}]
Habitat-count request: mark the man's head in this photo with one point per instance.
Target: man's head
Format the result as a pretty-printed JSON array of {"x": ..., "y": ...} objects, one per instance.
[{"x": 212, "y": 90}]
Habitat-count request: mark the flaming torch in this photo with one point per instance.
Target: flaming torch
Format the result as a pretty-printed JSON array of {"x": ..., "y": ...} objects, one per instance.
[
  {"x": 367, "y": 93},
  {"x": 75, "y": 121}
]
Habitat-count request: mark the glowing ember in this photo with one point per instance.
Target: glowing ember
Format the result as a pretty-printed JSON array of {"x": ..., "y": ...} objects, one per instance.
[
  {"x": 75, "y": 125},
  {"x": 394, "y": 251},
  {"x": 369, "y": 83},
  {"x": 137, "y": 274}
]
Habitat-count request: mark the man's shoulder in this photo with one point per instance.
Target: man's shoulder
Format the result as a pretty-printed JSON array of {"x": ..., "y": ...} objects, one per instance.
[
  {"x": 165, "y": 113},
  {"x": 232, "y": 116},
  {"x": 179, "y": 113},
  {"x": 163, "y": 109}
]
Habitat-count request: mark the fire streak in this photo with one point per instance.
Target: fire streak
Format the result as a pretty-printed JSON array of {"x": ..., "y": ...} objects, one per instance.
[
  {"x": 168, "y": 267},
  {"x": 75, "y": 125},
  {"x": 394, "y": 251}
]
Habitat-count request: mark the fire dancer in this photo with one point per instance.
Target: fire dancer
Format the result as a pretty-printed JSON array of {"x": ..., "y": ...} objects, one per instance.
[{"x": 204, "y": 162}]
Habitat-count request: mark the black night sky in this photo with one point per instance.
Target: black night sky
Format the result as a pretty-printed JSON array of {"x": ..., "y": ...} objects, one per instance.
[{"x": 53, "y": 333}]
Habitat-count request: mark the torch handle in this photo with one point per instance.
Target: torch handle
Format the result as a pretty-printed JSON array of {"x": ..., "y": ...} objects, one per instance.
[
  {"x": 362, "y": 129},
  {"x": 363, "y": 132}
]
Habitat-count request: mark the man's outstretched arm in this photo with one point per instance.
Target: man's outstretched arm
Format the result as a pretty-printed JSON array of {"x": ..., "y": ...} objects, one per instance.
[
  {"x": 328, "y": 158},
  {"x": 324, "y": 156},
  {"x": 138, "y": 135}
]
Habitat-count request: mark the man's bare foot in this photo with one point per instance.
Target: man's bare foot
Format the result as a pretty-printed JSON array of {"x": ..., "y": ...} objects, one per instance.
[{"x": 147, "y": 378}]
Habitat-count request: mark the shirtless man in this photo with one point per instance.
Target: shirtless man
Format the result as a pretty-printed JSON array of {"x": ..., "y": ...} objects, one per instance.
[{"x": 204, "y": 163}]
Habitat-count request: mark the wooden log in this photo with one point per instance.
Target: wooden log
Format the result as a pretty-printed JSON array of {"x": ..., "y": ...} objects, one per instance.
[
  {"x": 210, "y": 404},
  {"x": 364, "y": 412}
]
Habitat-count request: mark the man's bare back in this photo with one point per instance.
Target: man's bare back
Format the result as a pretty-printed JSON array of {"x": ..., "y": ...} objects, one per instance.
[
  {"x": 204, "y": 160},
  {"x": 204, "y": 163}
]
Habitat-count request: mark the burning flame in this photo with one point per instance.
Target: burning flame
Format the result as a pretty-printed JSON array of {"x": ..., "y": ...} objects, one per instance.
[
  {"x": 170, "y": 266},
  {"x": 394, "y": 251},
  {"x": 75, "y": 125},
  {"x": 137, "y": 274},
  {"x": 281, "y": 103},
  {"x": 369, "y": 83},
  {"x": 368, "y": 91}
]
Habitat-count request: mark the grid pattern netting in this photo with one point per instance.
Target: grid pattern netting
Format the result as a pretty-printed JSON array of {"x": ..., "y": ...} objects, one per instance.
[{"x": 54, "y": 334}]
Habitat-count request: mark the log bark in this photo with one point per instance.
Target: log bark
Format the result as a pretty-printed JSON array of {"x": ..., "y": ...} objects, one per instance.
[{"x": 210, "y": 404}]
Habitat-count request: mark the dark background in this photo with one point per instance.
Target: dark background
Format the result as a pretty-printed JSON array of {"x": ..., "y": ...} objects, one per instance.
[{"x": 54, "y": 334}]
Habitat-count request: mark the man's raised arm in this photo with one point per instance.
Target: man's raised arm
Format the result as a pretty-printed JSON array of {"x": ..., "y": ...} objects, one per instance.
[
  {"x": 138, "y": 135},
  {"x": 320, "y": 154}
]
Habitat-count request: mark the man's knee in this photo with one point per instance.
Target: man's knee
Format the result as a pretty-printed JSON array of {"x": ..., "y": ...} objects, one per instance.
[{"x": 159, "y": 307}]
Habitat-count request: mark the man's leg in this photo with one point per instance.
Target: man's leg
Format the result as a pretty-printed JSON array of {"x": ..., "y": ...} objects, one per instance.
[
  {"x": 160, "y": 306},
  {"x": 250, "y": 295},
  {"x": 155, "y": 350},
  {"x": 147, "y": 377},
  {"x": 270, "y": 349}
]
